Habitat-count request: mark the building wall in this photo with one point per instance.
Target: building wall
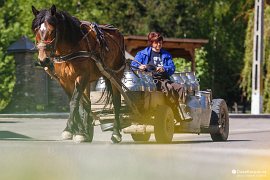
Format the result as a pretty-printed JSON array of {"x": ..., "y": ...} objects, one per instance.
[
  {"x": 57, "y": 100},
  {"x": 34, "y": 91}
]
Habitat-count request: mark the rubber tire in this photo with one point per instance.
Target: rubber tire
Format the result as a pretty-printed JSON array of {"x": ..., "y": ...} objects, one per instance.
[
  {"x": 220, "y": 117},
  {"x": 141, "y": 137},
  {"x": 164, "y": 124}
]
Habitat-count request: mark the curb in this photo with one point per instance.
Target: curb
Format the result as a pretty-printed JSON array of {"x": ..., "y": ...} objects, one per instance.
[
  {"x": 44, "y": 115},
  {"x": 65, "y": 116},
  {"x": 243, "y": 116}
]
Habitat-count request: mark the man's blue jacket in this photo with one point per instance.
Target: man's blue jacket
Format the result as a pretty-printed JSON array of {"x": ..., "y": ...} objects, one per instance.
[{"x": 143, "y": 57}]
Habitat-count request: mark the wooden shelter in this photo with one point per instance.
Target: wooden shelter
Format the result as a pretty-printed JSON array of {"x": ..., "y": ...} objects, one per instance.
[{"x": 184, "y": 48}]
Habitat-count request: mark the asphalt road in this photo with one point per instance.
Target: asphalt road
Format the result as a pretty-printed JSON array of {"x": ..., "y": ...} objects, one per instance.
[{"x": 31, "y": 149}]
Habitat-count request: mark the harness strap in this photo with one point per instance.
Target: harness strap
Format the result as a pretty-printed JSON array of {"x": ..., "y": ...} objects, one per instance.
[
  {"x": 100, "y": 36},
  {"x": 81, "y": 54},
  {"x": 71, "y": 56}
]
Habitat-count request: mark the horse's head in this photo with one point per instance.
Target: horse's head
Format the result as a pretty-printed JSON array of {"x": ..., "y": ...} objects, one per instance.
[
  {"x": 57, "y": 32},
  {"x": 44, "y": 27}
]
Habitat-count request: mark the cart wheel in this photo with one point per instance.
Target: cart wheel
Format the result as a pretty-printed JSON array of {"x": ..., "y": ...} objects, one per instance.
[
  {"x": 220, "y": 118},
  {"x": 164, "y": 124},
  {"x": 141, "y": 137}
]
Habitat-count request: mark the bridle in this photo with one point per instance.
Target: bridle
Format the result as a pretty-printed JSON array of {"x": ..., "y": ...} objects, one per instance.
[
  {"x": 47, "y": 45},
  {"x": 51, "y": 46}
]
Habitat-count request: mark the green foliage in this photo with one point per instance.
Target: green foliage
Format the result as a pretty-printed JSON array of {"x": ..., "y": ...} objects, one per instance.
[
  {"x": 266, "y": 62},
  {"x": 181, "y": 65},
  {"x": 246, "y": 74},
  {"x": 7, "y": 79},
  {"x": 202, "y": 67},
  {"x": 222, "y": 22},
  {"x": 9, "y": 28},
  {"x": 247, "y": 69},
  {"x": 40, "y": 107}
]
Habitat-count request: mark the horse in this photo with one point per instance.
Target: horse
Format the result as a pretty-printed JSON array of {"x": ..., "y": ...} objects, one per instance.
[{"x": 76, "y": 53}]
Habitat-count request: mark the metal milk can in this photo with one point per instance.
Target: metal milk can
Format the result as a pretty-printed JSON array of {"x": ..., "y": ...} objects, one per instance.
[
  {"x": 100, "y": 84},
  {"x": 133, "y": 81}
]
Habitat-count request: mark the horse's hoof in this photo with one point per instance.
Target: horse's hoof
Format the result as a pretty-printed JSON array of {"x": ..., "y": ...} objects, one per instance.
[
  {"x": 116, "y": 138},
  {"x": 79, "y": 138},
  {"x": 66, "y": 135}
]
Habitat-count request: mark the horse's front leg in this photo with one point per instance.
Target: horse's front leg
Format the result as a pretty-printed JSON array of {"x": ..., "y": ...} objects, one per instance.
[
  {"x": 86, "y": 114},
  {"x": 75, "y": 124},
  {"x": 116, "y": 135}
]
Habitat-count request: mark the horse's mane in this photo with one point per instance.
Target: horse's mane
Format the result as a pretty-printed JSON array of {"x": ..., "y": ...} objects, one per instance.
[{"x": 68, "y": 26}]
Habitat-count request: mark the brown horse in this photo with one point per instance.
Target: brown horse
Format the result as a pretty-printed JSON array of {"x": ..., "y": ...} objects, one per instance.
[{"x": 77, "y": 53}]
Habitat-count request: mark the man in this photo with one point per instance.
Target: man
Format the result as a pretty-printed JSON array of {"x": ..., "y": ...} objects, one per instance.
[{"x": 155, "y": 59}]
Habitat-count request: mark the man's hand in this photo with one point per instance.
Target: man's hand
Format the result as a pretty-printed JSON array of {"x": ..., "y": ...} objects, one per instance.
[
  {"x": 142, "y": 67},
  {"x": 160, "y": 69}
]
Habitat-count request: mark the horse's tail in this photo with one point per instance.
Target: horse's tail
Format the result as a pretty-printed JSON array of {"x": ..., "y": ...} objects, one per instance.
[{"x": 107, "y": 93}]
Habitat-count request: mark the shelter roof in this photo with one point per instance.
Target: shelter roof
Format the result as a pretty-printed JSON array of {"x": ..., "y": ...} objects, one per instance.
[
  {"x": 183, "y": 48},
  {"x": 22, "y": 45}
]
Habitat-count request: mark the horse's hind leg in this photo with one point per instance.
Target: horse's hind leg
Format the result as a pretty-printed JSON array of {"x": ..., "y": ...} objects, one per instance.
[{"x": 116, "y": 135}]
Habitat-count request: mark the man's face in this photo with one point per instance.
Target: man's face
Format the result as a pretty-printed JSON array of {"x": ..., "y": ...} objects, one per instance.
[{"x": 157, "y": 45}]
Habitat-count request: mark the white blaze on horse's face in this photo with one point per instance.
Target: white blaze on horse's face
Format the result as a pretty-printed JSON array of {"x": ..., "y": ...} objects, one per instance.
[
  {"x": 43, "y": 39},
  {"x": 43, "y": 31},
  {"x": 43, "y": 27}
]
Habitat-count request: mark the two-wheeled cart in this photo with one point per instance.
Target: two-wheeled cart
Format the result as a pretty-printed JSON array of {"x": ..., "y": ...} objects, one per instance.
[{"x": 156, "y": 116}]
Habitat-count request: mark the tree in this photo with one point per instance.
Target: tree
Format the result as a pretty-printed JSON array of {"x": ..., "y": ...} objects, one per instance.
[
  {"x": 222, "y": 22},
  {"x": 246, "y": 80}
]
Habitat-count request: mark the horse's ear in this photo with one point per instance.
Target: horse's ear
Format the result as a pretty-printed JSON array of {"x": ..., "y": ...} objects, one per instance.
[
  {"x": 53, "y": 10},
  {"x": 35, "y": 11}
]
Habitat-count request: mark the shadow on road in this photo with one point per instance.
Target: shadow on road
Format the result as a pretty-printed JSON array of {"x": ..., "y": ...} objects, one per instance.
[
  {"x": 174, "y": 142},
  {"x": 8, "y": 135},
  {"x": 182, "y": 142},
  {"x": 205, "y": 141},
  {"x": 8, "y": 122}
]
